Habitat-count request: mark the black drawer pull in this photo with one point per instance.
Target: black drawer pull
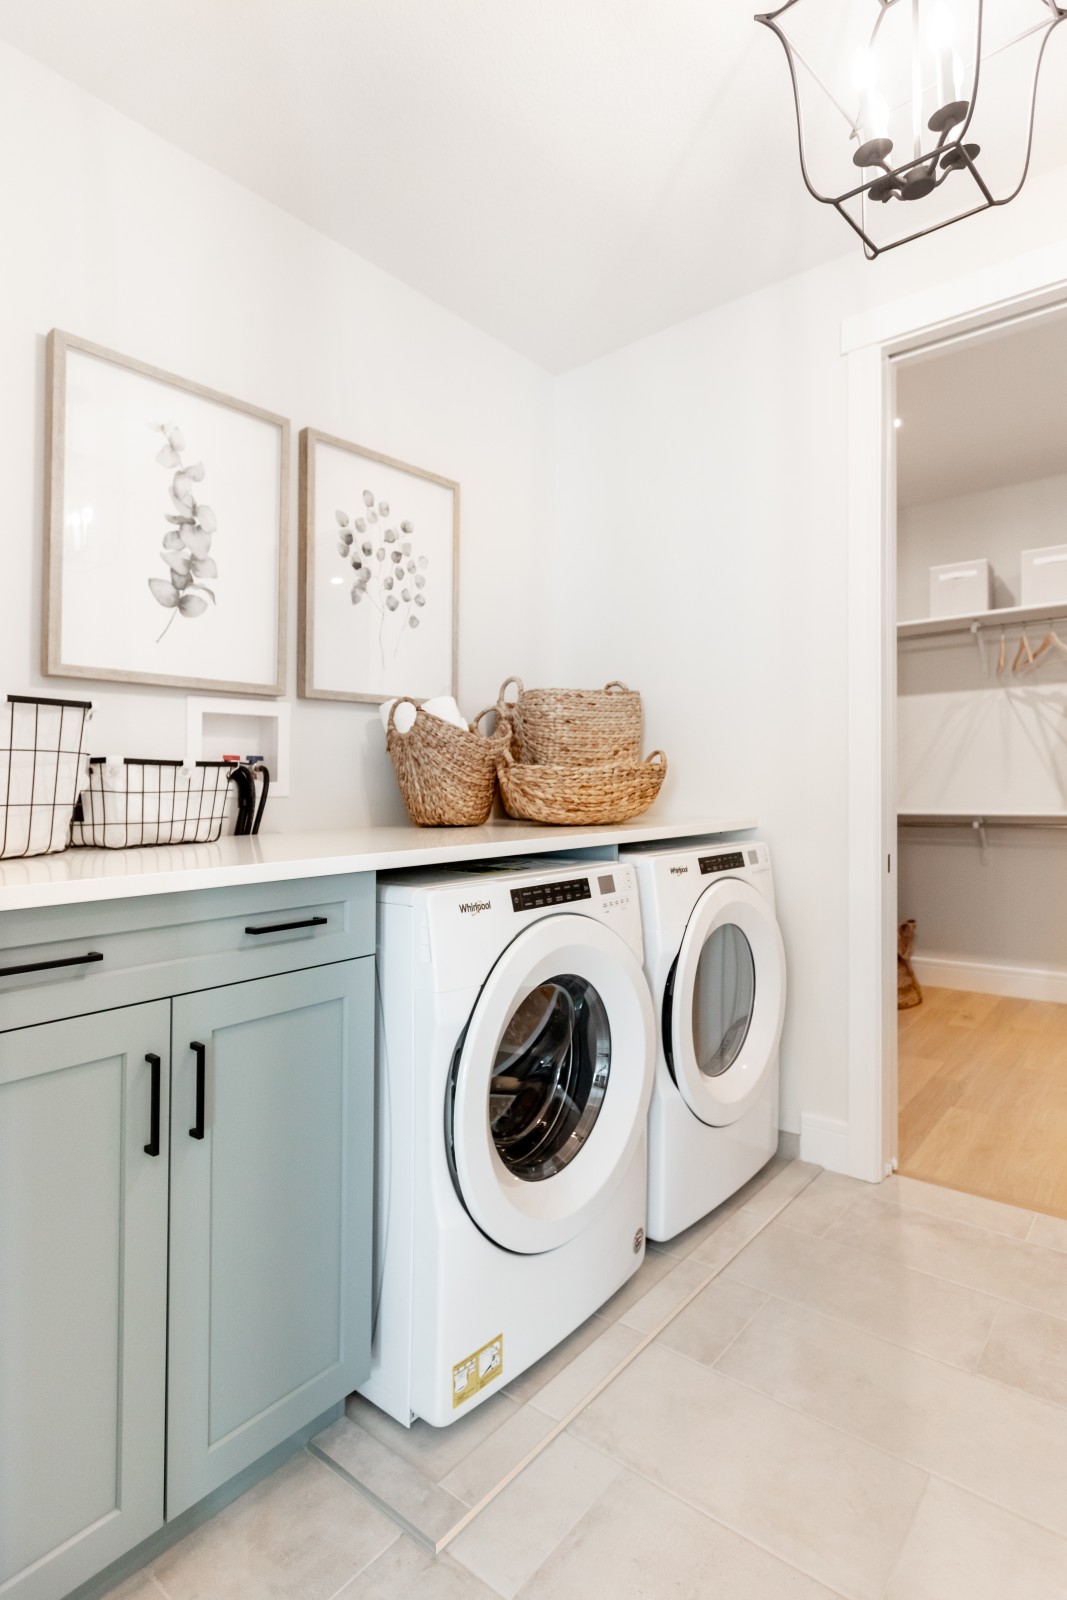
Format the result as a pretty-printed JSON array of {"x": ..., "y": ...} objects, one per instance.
[
  {"x": 287, "y": 927},
  {"x": 200, "y": 1052},
  {"x": 152, "y": 1147},
  {"x": 47, "y": 966}
]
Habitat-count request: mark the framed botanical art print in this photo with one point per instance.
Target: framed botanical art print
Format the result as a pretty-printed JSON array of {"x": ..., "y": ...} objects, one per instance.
[
  {"x": 379, "y": 546},
  {"x": 166, "y": 527}
]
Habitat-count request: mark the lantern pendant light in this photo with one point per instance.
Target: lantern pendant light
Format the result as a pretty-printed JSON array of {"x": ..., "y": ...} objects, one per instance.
[{"x": 913, "y": 114}]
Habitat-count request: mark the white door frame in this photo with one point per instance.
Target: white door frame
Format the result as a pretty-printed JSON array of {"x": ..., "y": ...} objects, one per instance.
[{"x": 869, "y": 342}]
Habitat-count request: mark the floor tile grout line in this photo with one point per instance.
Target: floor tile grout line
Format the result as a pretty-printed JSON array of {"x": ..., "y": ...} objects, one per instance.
[
  {"x": 959, "y": 1283},
  {"x": 894, "y": 1455},
  {"x": 153, "y": 1579},
  {"x": 894, "y": 1344},
  {"x": 423, "y": 1540},
  {"x": 598, "y": 1389},
  {"x": 920, "y": 1502},
  {"x": 719, "y": 1521},
  {"x": 939, "y": 1216}
]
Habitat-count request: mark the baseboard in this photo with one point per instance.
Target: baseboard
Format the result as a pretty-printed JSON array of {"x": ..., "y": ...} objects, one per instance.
[
  {"x": 824, "y": 1141},
  {"x": 984, "y": 977}
]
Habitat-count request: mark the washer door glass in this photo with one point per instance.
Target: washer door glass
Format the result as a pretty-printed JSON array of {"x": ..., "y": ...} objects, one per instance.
[
  {"x": 549, "y": 1077},
  {"x": 724, "y": 996}
]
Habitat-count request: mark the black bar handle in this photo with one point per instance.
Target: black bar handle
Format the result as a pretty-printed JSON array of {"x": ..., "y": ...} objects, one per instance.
[
  {"x": 152, "y": 1147},
  {"x": 200, "y": 1052},
  {"x": 48, "y": 966},
  {"x": 287, "y": 927}
]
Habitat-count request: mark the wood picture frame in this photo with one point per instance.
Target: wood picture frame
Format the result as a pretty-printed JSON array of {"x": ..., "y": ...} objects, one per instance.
[
  {"x": 407, "y": 559},
  {"x": 109, "y": 580}
]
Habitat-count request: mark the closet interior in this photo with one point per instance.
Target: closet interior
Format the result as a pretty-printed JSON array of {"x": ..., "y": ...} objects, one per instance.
[{"x": 981, "y": 434}]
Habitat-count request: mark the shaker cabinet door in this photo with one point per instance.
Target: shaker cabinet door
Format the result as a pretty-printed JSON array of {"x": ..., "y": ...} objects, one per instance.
[
  {"x": 271, "y": 1172},
  {"x": 83, "y": 1294}
]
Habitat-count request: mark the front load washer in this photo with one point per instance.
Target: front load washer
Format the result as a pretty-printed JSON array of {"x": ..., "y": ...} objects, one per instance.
[
  {"x": 515, "y": 1060},
  {"x": 716, "y": 967}
]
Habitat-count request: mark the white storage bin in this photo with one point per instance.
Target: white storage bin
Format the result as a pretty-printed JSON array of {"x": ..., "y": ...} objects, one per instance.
[
  {"x": 961, "y": 588},
  {"x": 136, "y": 802},
  {"x": 1044, "y": 578},
  {"x": 42, "y": 768}
]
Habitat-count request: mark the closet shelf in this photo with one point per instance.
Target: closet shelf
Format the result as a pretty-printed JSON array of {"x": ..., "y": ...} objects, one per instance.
[
  {"x": 991, "y": 819},
  {"x": 1005, "y": 617}
]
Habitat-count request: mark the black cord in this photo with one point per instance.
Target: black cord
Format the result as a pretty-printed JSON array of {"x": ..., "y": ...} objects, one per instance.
[
  {"x": 260, "y": 768},
  {"x": 246, "y": 796}
]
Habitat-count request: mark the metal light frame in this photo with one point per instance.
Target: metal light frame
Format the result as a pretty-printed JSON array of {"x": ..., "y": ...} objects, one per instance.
[{"x": 913, "y": 180}]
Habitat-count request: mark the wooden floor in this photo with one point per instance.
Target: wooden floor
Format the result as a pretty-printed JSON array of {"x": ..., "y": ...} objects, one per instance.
[{"x": 983, "y": 1097}]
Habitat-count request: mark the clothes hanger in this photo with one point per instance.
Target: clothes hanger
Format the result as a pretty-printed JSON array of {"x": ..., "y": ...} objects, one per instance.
[
  {"x": 1051, "y": 641},
  {"x": 1024, "y": 649},
  {"x": 1002, "y": 656}
]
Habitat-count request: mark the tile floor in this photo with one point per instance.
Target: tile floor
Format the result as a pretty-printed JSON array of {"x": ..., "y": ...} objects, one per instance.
[{"x": 869, "y": 1402}]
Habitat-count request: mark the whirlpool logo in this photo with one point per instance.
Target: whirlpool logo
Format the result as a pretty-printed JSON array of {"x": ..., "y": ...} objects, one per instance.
[
  {"x": 471, "y": 908},
  {"x": 679, "y": 872}
]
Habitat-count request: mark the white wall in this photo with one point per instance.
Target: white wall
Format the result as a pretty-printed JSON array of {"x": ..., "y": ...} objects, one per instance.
[
  {"x": 115, "y": 235},
  {"x": 996, "y": 523},
  {"x": 701, "y": 514},
  {"x": 974, "y": 740}
]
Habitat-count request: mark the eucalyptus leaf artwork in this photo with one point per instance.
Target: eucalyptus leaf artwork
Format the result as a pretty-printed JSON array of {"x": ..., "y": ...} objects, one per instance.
[
  {"x": 153, "y": 482},
  {"x": 388, "y": 576},
  {"x": 186, "y": 548},
  {"x": 379, "y": 545}
]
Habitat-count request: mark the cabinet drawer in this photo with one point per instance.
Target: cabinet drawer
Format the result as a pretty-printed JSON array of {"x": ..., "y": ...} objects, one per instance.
[{"x": 68, "y": 961}]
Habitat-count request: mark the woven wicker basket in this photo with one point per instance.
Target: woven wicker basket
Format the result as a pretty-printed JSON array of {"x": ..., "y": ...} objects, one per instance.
[
  {"x": 574, "y": 727},
  {"x": 576, "y": 794},
  {"x": 447, "y": 775}
]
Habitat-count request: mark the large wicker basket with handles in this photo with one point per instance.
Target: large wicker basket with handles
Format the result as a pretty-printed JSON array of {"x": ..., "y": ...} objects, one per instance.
[
  {"x": 447, "y": 775},
  {"x": 574, "y": 727},
  {"x": 577, "y": 794}
]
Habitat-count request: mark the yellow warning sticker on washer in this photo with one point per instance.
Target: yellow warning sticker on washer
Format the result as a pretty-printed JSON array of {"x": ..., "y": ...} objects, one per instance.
[{"x": 471, "y": 1375}]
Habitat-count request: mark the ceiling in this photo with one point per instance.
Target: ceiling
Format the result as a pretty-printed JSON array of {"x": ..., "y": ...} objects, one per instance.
[
  {"x": 984, "y": 413},
  {"x": 568, "y": 175}
]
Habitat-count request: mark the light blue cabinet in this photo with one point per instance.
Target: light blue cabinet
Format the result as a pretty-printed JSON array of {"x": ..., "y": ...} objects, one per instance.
[
  {"x": 83, "y": 1293},
  {"x": 271, "y": 1174},
  {"x": 246, "y": 1163}
]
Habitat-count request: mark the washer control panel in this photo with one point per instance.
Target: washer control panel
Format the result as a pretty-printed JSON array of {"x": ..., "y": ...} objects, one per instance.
[
  {"x": 724, "y": 863},
  {"x": 538, "y": 896}
]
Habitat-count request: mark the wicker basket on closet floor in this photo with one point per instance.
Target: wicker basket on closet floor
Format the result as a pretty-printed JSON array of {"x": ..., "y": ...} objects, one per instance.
[
  {"x": 447, "y": 775},
  {"x": 578, "y": 794},
  {"x": 573, "y": 727}
]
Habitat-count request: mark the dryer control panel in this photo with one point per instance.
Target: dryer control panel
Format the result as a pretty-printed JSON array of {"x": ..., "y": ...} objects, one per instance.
[
  {"x": 724, "y": 863},
  {"x": 537, "y": 896}
]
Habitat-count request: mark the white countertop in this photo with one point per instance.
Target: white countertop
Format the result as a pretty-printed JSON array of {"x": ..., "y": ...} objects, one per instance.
[{"x": 77, "y": 876}]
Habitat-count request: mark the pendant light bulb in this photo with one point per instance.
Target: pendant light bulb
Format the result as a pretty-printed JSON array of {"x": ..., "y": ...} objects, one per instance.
[{"x": 941, "y": 41}]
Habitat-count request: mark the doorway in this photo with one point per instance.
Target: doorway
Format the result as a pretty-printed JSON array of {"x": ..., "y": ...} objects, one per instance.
[
  {"x": 980, "y": 429},
  {"x": 1025, "y": 288}
]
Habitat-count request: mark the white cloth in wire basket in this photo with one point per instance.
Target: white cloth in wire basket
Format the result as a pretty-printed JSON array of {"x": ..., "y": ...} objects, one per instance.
[
  {"x": 43, "y": 766},
  {"x": 135, "y": 802}
]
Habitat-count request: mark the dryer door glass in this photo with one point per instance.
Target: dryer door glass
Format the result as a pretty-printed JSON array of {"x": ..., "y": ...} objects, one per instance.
[
  {"x": 724, "y": 997},
  {"x": 549, "y": 1077}
]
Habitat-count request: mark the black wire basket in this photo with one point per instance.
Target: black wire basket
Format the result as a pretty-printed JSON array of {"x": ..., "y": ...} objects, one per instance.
[
  {"x": 42, "y": 769},
  {"x": 139, "y": 802}
]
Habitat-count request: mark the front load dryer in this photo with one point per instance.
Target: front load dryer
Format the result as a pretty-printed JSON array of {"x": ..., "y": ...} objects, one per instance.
[
  {"x": 515, "y": 1059},
  {"x": 716, "y": 968}
]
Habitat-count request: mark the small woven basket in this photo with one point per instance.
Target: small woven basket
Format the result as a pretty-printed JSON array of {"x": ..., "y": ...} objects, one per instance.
[
  {"x": 447, "y": 775},
  {"x": 574, "y": 727},
  {"x": 577, "y": 794}
]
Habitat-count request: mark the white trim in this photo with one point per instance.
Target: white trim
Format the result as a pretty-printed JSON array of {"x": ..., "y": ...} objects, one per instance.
[
  {"x": 825, "y": 1142},
  {"x": 983, "y": 299},
  {"x": 1005, "y": 287},
  {"x": 987, "y": 977}
]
